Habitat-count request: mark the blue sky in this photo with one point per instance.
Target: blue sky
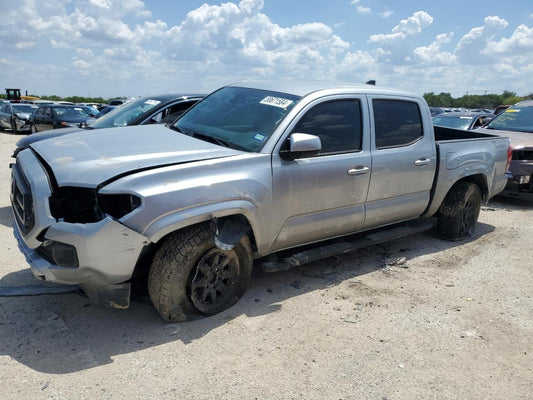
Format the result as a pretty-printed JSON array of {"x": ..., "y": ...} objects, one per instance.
[{"x": 114, "y": 48}]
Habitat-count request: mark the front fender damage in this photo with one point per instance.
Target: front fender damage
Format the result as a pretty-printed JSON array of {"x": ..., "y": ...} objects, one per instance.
[{"x": 229, "y": 231}]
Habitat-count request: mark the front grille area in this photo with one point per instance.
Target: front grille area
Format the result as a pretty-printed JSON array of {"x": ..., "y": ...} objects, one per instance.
[
  {"x": 21, "y": 200},
  {"x": 522, "y": 154}
]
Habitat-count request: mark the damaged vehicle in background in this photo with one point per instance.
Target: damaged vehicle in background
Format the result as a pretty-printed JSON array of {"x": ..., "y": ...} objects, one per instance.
[
  {"x": 14, "y": 116},
  {"x": 516, "y": 122},
  {"x": 146, "y": 110}
]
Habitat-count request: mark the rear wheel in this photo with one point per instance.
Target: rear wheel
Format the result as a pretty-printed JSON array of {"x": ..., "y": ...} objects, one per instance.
[
  {"x": 190, "y": 277},
  {"x": 459, "y": 211}
]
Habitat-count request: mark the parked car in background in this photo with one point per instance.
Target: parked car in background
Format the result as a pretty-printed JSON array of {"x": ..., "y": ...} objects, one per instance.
[
  {"x": 94, "y": 105},
  {"x": 15, "y": 115},
  {"x": 106, "y": 109},
  {"x": 92, "y": 111},
  {"x": 516, "y": 122},
  {"x": 142, "y": 111},
  {"x": 462, "y": 120},
  {"x": 435, "y": 111},
  {"x": 117, "y": 102},
  {"x": 56, "y": 116},
  {"x": 498, "y": 110},
  {"x": 147, "y": 110}
]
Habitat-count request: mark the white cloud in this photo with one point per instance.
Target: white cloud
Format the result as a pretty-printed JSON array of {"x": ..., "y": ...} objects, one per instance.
[
  {"x": 521, "y": 41},
  {"x": 241, "y": 37},
  {"x": 406, "y": 28},
  {"x": 432, "y": 54},
  {"x": 363, "y": 9},
  {"x": 414, "y": 24},
  {"x": 470, "y": 48},
  {"x": 386, "y": 13},
  {"x": 397, "y": 47}
]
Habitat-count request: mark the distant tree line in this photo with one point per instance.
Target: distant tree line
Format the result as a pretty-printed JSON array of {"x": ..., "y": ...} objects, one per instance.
[
  {"x": 72, "y": 99},
  {"x": 436, "y": 100},
  {"x": 489, "y": 101}
]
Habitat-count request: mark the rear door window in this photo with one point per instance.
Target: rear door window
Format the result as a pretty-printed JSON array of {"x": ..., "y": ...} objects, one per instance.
[{"x": 397, "y": 123}]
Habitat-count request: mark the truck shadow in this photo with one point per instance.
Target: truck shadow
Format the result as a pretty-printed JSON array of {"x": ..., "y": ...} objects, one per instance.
[
  {"x": 6, "y": 216},
  {"x": 60, "y": 334},
  {"x": 511, "y": 202}
]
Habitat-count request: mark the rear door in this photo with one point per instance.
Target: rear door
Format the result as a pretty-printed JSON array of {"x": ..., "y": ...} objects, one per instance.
[
  {"x": 323, "y": 196},
  {"x": 403, "y": 160}
]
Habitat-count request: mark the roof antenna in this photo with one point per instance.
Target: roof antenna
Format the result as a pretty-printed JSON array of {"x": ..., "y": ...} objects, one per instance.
[{"x": 371, "y": 82}]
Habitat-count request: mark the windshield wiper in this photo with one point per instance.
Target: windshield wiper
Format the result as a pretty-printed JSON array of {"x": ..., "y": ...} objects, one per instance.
[
  {"x": 173, "y": 127},
  {"x": 211, "y": 139}
]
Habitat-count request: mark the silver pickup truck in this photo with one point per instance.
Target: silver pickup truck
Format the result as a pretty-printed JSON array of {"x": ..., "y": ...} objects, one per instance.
[{"x": 253, "y": 170}]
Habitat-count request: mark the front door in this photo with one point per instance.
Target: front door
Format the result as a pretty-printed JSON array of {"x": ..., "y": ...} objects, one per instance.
[{"x": 323, "y": 196}]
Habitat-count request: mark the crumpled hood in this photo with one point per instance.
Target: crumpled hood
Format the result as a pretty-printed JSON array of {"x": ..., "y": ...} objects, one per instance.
[
  {"x": 22, "y": 115},
  {"x": 518, "y": 139},
  {"x": 89, "y": 158}
]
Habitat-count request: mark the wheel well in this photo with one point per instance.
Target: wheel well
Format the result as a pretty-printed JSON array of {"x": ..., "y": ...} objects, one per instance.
[
  {"x": 145, "y": 259},
  {"x": 480, "y": 181}
]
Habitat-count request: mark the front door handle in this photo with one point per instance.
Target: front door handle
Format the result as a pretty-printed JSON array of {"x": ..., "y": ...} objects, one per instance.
[
  {"x": 358, "y": 170},
  {"x": 422, "y": 161}
]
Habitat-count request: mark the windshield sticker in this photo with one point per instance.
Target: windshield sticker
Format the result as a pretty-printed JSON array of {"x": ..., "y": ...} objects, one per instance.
[
  {"x": 465, "y": 117},
  {"x": 511, "y": 111},
  {"x": 77, "y": 108},
  {"x": 276, "y": 101},
  {"x": 152, "y": 102},
  {"x": 259, "y": 137}
]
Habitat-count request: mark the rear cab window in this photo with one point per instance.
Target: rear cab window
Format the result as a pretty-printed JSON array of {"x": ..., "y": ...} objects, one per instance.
[{"x": 397, "y": 123}]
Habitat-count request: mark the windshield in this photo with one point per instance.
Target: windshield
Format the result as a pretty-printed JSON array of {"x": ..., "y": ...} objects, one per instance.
[
  {"x": 70, "y": 112},
  {"x": 243, "y": 118},
  {"x": 24, "y": 109},
  {"x": 519, "y": 119},
  {"x": 459, "y": 122},
  {"x": 124, "y": 114}
]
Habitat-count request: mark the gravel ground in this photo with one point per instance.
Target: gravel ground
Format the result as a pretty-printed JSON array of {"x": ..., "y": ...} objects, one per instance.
[{"x": 417, "y": 318}]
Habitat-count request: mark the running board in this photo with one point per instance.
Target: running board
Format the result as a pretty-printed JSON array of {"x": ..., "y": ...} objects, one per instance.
[{"x": 346, "y": 246}]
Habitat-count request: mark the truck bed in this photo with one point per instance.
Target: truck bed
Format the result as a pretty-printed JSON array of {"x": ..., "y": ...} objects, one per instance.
[{"x": 463, "y": 153}]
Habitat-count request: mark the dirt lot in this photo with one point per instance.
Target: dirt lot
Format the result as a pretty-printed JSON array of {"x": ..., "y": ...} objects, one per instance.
[{"x": 455, "y": 321}]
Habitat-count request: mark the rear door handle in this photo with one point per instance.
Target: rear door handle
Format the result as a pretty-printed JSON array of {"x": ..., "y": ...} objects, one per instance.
[
  {"x": 358, "y": 170},
  {"x": 422, "y": 161}
]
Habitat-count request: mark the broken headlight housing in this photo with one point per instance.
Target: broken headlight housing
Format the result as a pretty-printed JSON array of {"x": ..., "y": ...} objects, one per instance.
[{"x": 85, "y": 205}]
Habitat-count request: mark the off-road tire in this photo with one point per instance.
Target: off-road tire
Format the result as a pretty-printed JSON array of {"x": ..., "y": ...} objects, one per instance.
[
  {"x": 458, "y": 214},
  {"x": 178, "y": 287}
]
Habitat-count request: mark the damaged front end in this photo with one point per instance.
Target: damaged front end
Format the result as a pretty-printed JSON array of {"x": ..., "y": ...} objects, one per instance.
[{"x": 72, "y": 235}]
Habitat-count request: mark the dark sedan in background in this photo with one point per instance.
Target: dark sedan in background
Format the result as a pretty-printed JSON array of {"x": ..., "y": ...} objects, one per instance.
[
  {"x": 56, "y": 116},
  {"x": 142, "y": 111}
]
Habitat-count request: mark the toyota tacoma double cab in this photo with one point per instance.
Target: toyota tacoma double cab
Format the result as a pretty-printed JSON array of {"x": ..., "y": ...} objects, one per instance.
[{"x": 264, "y": 173}]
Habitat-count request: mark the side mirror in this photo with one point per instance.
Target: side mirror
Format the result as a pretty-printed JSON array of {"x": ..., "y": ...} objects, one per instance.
[{"x": 301, "y": 145}]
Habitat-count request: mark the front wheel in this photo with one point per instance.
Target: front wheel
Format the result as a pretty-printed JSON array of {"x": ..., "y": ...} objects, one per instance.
[
  {"x": 33, "y": 128},
  {"x": 458, "y": 214},
  {"x": 190, "y": 277},
  {"x": 14, "y": 127}
]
